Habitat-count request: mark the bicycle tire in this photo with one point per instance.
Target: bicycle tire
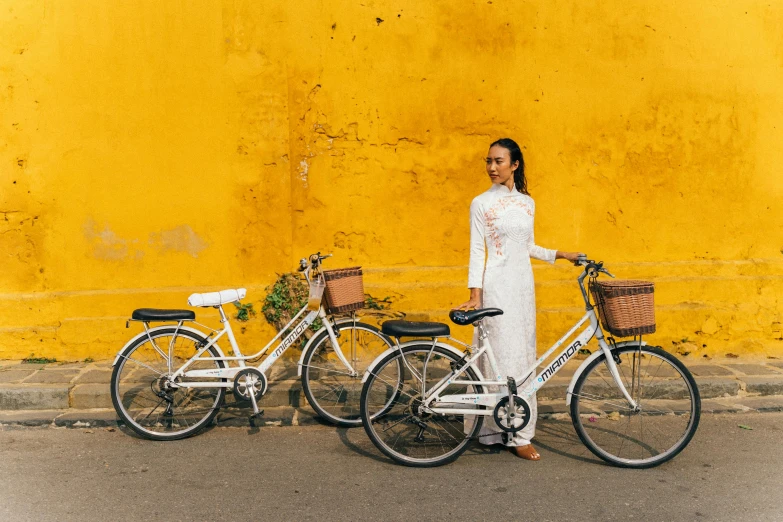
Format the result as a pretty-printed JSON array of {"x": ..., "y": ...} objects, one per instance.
[
  {"x": 334, "y": 395},
  {"x": 129, "y": 384},
  {"x": 399, "y": 415},
  {"x": 672, "y": 407}
]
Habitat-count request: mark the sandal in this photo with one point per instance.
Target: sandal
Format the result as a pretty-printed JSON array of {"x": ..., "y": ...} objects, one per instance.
[{"x": 527, "y": 452}]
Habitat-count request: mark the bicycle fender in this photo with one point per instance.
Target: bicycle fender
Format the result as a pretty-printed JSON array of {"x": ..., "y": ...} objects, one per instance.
[
  {"x": 317, "y": 334},
  {"x": 593, "y": 356},
  {"x": 153, "y": 330},
  {"x": 448, "y": 347}
]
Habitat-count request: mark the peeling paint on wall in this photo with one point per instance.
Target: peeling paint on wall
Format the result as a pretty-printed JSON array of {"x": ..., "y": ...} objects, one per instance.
[{"x": 179, "y": 239}]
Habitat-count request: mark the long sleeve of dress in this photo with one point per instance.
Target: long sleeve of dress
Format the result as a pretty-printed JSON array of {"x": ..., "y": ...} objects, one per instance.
[
  {"x": 477, "y": 246},
  {"x": 537, "y": 252}
]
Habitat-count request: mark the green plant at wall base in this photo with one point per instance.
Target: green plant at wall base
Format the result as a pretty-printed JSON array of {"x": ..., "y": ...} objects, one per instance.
[
  {"x": 38, "y": 360},
  {"x": 290, "y": 293},
  {"x": 284, "y": 299},
  {"x": 372, "y": 303},
  {"x": 244, "y": 311}
]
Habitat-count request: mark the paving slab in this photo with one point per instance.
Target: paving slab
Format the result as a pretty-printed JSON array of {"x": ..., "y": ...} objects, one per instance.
[
  {"x": 766, "y": 385},
  {"x": 30, "y": 417},
  {"x": 707, "y": 370},
  {"x": 88, "y": 418},
  {"x": 15, "y": 375},
  {"x": 764, "y": 403},
  {"x": 94, "y": 377},
  {"x": 753, "y": 369},
  {"x": 47, "y": 376},
  {"x": 711, "y": 387},
  {"x": 33, "y": 396},
  {"x": 718, "y": 406}
]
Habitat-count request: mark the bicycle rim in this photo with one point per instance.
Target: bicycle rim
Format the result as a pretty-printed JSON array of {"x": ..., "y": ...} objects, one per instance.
[
  {"x": 331, "y": 391},
  {"x": 665, "y": 422},
  {"x": 146, "y": 401},
  {"x": 403, "y": 431}
]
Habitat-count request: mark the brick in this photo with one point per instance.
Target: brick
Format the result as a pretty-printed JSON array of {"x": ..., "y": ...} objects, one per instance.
[
  {"x": 52, "y": 377},
  {"x": 15, "y": 375},
  {"x": 85, "y": 396},
  {"x": 712, "y": 387},
  {"x": 33, "y": 397},
  {"x": 770, "y": 385}
]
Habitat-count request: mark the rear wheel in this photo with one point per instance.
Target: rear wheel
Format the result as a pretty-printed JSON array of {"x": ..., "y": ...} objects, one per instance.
[
  {"x": 660, "y": 427},
  {"x": 146, "y": 397},
  {"x": 404, "y": 429}
]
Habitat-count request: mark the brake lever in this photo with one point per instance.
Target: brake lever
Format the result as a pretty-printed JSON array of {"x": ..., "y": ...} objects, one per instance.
[{"x": 605, "y": 271}]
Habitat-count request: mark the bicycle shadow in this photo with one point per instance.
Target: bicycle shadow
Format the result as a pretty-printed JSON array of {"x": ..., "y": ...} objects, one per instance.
[
  {"x": 373, "y": 453},
  {"x": 559, "y": 437}
]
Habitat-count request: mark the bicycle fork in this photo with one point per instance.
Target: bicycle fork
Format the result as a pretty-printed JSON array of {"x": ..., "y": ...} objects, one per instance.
[{"x": 615, "y": 372}]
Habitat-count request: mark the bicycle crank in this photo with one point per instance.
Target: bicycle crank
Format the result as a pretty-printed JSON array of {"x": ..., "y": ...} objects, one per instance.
[{"x": 514, "y": 418}]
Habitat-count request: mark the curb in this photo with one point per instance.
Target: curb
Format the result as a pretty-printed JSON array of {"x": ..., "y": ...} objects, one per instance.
[{"x": 233, "y": 417}]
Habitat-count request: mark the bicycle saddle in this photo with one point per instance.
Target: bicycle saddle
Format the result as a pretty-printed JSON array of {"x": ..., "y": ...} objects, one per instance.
[
  {"x": 217, "y": 298},
  {"x": 156, "y": 314},
  {"x": 463, "y": 318},
  {"x": 415, "y": 329}
]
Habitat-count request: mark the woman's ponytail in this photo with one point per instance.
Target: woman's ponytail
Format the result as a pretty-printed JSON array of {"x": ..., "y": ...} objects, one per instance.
[{"x": 520, "y": 181}]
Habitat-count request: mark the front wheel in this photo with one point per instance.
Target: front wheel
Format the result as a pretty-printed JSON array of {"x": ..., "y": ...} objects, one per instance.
[
  {"x": 331, "y": 390},
  {"x": 667, "y": 413}
]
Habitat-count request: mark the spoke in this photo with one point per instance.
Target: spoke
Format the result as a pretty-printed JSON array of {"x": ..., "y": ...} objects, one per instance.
[{"x": 142, "y": 364}]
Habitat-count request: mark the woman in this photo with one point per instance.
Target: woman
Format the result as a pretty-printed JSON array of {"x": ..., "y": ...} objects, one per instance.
[{"x": 501, "y": 224}]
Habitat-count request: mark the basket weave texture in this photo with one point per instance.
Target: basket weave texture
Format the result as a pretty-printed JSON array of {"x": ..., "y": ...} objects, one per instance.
[
  {"x": 625, "y": 307},
  {"x": 344, "y": 290}
]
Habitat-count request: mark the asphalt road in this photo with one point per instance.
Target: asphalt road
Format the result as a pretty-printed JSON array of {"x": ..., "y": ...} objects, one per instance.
[{"x": 272, "y": 473}]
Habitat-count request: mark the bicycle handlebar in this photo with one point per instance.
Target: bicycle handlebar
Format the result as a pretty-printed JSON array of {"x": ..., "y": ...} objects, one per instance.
[{"x": 591, "y": 267}]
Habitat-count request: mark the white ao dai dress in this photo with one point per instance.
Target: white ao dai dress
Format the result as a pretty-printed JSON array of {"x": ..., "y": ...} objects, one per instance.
[{"x": 501, "y": 229}]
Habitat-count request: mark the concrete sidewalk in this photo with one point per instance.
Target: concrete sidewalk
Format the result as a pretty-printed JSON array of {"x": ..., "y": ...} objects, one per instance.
[{"x": 77, "y": 394}]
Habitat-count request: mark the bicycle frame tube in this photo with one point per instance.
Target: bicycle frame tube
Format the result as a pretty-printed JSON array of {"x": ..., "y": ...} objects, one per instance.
[
  {"x": 490, "y": 399},
  {"x": 229, "y": 372}
]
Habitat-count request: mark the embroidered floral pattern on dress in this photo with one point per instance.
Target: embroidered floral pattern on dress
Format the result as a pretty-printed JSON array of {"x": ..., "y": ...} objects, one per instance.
[{"x": 509, "y": 209}]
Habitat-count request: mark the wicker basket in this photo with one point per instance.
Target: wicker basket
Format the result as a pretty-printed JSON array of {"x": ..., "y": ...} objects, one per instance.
[
  {"x": 626, "y": 307},
  {"x": 344, "y": 290}
]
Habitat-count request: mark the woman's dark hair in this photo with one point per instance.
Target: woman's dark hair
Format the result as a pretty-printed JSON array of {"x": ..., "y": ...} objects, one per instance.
[{"x": 520, "y": 181}]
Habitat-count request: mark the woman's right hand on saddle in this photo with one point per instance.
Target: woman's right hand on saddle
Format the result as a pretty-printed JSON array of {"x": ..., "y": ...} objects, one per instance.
[{"x": 473, "y": 303}]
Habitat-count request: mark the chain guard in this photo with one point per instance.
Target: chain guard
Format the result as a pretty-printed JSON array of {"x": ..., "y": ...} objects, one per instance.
[{"x": 503, "y": 418}]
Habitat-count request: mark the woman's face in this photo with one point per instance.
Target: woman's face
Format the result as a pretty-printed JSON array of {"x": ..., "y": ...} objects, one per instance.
[{"x": 499, "y": 166}]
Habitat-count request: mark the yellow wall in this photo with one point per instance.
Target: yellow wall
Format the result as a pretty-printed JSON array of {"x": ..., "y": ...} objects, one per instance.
[{"x": 151, "y": 149}]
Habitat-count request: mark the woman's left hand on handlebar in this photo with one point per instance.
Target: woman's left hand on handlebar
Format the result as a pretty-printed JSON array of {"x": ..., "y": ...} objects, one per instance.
[{"x": 570, "y": 256}]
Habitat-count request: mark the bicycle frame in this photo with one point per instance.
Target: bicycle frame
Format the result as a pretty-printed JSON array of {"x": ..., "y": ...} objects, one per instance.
[
  {"x": 227, "y": 374},
  {"x": 433, "y": 400}
]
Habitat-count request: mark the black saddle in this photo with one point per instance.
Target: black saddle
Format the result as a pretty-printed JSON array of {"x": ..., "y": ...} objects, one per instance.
[
  {"x": 155, "y": 314},
  {"x": 463, "y": 318},
  {"x": 415, "y": 329}
]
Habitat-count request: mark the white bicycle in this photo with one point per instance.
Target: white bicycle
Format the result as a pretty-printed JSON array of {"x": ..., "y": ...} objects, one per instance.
[
  {"x": 170, "y": 381},
  {"x": 632, "y": 405}
]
